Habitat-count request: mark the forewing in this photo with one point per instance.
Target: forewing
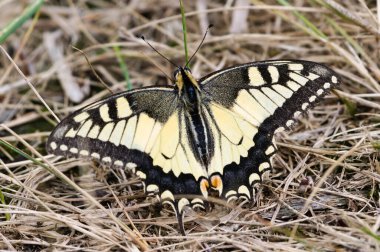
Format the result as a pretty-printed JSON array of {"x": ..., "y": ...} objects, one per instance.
[{"x": 263, "y": 97}]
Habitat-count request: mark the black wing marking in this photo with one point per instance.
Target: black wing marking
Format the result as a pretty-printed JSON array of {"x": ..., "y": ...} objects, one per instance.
[{"x": 270, "y": 95}]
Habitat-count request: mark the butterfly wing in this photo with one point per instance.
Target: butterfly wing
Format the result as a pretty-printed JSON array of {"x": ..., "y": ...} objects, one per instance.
[
  {"x": 251, "y": 102},
  {"x": 142, "y": 130}
]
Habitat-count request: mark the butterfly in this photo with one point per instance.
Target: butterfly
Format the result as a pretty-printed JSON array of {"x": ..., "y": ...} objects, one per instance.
[{"x": 198, "y": 135}]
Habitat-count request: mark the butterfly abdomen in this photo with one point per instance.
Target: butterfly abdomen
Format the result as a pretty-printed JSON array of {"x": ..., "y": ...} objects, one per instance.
[{"x": 200, "y": 138}]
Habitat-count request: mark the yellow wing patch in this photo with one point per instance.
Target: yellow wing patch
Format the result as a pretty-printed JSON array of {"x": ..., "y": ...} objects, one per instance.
[
  {"x": 117, "y": 133},
  {"x": 123, "y": 108},
  {"x": 227, "y": 124},
  {"x": 233, "y": 137},
  {"x": 171, "y": 149},
  {"x": 255, "y": 77},
  {"x": 144, "y": 127},
  {"x": 170, "y": 134}
]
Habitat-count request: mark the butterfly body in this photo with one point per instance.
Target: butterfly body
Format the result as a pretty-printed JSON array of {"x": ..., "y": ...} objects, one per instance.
[
  {"x": 192, "y": 104},
  {"x": 214, "y": 133}
]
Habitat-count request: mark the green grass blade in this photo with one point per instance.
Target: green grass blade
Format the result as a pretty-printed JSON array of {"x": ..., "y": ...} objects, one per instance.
[
  {"x": 184, "y": 30},
  {"x": 371, "y": 233},
  {"x": 21, "y": 153},
  {"x": 338, "y": 28},
  {"x": 376, "y": 145},
  {"x": 123, "y": 67},
  {"x": 19, "y": 21},
  {"x": 312, "y": 28},
  {"x": 2, "y": 200}
]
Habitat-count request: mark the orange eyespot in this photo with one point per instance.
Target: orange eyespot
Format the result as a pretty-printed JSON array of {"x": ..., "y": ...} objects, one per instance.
[
  {"x": 217, "y": 183},
  {"x": 204, "y": 187}
]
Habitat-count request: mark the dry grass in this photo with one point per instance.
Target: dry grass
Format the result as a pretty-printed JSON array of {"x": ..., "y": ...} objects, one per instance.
[{"x": 323, "y": 193}]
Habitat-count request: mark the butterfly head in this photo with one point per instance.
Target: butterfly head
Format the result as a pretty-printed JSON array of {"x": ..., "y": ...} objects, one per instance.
[
  {"x": 188, "y": 87},
  {"x": 184, "y": 77}
]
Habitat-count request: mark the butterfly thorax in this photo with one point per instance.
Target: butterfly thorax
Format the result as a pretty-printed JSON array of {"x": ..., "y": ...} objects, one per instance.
[
  {"x": 188, "y": 88},
  {"x": 197, "y": 128}
]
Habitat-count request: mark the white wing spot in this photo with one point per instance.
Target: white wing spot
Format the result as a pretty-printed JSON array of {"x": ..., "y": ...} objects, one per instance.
[
  {"x": 280, "y": 129},
  {"x": 118, "y": 163},
  {"x": 74, "y": 150},
  {"x": 289, "y": 123},
  {"x": 83, "y": 153},
  {"x": 334, "y": 79},
  {"x": 263, "y": 166},
  {"x": 152, "y": 188},
  {"x": 107, "y": 159},
  {"x": 141, "y": 174},
  {"x": 312, "y": 98},
  {"x": 182, "y": 203},
  {"x": 305, "y": 105},
  {"x": 95, "y": 155},
  {"x": 53, "y": 145},
  {"x": 326, "y": 85},
  {"x": 131, "y": 165},
  {"x": 63, "y": 147},
  {"x": 167, "y": 195},
  {"x": 254, "y": 177},
  {"x": 320, "y": 92},
  {"x": 297, "y": 114},
  {"x": 244, "y": 191},
  {"x": 269, "y": 150}
]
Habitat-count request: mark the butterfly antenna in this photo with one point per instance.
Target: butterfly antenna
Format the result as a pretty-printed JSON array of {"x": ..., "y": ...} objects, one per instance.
[
  {"x": 199, "y": 46},
  {"x": 154, "y": 49}
]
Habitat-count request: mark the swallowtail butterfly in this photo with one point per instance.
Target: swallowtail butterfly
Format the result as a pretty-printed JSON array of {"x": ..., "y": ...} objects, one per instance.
[{"x": 213, "y": 133}]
